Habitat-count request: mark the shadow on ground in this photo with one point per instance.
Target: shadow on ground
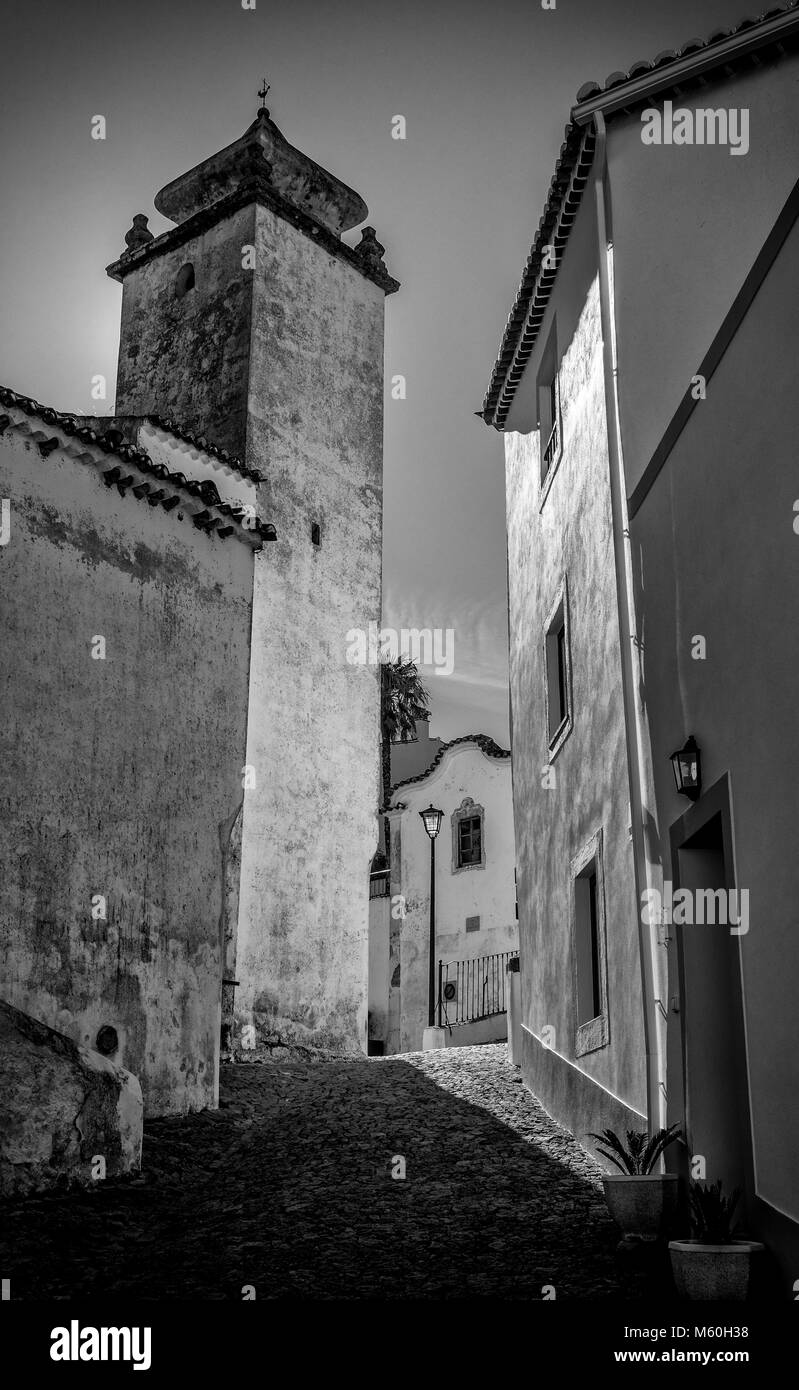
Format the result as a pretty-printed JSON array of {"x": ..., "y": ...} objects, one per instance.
[{"x": 288, "y": 1188}]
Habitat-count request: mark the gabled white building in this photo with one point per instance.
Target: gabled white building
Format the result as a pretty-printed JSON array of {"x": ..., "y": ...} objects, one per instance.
[{"x": 469, "y": 781}]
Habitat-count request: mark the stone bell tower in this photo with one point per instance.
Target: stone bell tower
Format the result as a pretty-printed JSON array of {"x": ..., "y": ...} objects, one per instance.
[{"x": 252, "y": 323}]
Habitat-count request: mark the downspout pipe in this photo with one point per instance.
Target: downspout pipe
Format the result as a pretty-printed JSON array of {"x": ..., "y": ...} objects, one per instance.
[{"x": 648, "y": 871}]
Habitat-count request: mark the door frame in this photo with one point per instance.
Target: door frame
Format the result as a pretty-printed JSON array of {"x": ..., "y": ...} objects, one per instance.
[{"x": 717, "y": 801}]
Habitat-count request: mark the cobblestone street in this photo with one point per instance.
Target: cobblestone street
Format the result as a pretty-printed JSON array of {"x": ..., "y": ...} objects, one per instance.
[{"x": 288, "y": 1187}]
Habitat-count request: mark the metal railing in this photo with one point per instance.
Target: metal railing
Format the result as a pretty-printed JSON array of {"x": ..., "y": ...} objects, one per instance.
[
  {"x": 469, "y": 990},
  {"x": 380, "y": 884}
]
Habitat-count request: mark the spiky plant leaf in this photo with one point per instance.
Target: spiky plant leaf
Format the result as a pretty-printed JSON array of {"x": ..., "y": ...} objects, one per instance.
[
  {"x": 713, "y": 1215},
  {"x": 618, "y": 1155},
  {"x": 657, "y": 1143}
]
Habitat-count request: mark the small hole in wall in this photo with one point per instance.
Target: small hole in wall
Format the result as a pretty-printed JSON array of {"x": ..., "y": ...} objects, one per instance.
[
  {"x": 316, "y": 533},
  {"x": 107, "y": 1040},
  {"x": 184, "y": 280}
]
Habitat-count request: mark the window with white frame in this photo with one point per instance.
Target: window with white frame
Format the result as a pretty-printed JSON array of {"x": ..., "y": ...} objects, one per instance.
[
  {"x": 589, "y": 948},
  {"x": 549, "y": 412},
  {"x": 557, "y": 670}
]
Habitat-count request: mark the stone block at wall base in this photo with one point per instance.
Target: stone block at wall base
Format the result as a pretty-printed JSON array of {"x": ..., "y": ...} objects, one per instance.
[{"x": 62, "y": 1109}]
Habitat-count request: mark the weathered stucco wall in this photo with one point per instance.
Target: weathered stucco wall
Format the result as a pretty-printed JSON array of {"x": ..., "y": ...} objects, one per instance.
[
  {"x": 188, "y": 358},
  {"x": 487, "y": 892},
  {"x": 570, "y": 534},
  {"x": 716, "y": 554},
  {"x": 67, "y": 1114},
  {"x": 688, "y": 222},
  {"x": 118, "y": 774},
  {"x": 310, "y": 828}
]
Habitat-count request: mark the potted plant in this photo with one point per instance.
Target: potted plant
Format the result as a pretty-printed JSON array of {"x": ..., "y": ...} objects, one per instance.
[
  {"x": 713, "y": 1265},
  {"x": 641, "y": 1201}
]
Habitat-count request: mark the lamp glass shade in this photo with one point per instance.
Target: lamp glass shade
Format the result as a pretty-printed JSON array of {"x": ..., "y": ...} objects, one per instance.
[
  {"x": 688, "y": 769},
  {"x": 432, "y": 820}
]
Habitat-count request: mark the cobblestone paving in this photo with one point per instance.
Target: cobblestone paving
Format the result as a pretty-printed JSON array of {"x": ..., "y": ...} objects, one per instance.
[{"x": 288, "y": 1187}]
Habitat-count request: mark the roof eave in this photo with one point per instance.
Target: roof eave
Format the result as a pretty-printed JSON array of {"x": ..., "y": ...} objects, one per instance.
[{"x": 682, "y": 70}]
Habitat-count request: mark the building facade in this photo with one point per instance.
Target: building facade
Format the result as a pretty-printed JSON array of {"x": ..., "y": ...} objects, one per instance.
[
  {"x": 127, "y": 609},
  {"x": 644, "y": 388},
  {"x": 469, "y": 781},
  {"x": 191, "y": 764}
]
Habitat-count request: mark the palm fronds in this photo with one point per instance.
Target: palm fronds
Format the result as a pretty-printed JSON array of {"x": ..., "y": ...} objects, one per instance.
[{"x": 641, "y": 1152}]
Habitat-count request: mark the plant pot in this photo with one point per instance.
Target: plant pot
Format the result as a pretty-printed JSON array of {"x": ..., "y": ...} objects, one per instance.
[
  {"x": 703, "y": 1272},
  {"x": 642, "y": 1205}
]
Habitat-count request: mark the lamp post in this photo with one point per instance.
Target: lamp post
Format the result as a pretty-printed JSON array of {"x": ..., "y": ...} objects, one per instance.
[
  {"x": 686, "y": 763},
  {"x": 433, "y": 1036}
]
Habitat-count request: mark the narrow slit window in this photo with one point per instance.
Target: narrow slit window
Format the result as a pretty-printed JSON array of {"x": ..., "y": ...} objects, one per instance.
[
  {"x": 184, "y": 280},
  {"x": 316, "y": 533}
]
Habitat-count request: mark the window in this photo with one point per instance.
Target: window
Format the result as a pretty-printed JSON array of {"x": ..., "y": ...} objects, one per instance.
[
  {"x": 588, "y": 944},
  {"x": 468, "y": 836},
  {"x": 549, "y": 415},
  {"x": 184, "y": 280},
  {"x": 589, "y": 1001},
  {"x": 557, "y": 665},
  {"x": 316, "y": 533},
  {"x": 469, "y": 841},
  {"x": 472, "y": 923}
]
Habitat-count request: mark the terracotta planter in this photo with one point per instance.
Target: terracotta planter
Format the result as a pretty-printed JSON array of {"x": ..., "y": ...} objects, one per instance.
[
  {"x": 704, "y": 1272},
  {"x": 643, "y": 1205}
]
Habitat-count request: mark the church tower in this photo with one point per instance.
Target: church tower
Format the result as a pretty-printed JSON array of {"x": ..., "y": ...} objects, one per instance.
[{"x": 252, "y": 323}]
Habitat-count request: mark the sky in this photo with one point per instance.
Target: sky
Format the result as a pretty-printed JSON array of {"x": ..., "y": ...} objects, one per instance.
[{"x": 485, "y": 89}]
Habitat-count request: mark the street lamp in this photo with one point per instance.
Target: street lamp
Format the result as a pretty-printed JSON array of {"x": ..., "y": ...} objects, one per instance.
[
  {"x": 687, "y": 765},
  {"x": 431, "y": 819}
]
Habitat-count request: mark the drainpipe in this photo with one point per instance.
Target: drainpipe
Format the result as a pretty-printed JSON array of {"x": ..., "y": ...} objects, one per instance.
[{"x": 648, "y": 870}]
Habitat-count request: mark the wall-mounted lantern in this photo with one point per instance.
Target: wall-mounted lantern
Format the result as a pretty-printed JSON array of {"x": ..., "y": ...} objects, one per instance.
[{"x": 687, "y": 765}]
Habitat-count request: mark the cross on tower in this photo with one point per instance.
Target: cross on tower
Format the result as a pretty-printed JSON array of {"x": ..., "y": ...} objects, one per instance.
[{"x": 264, "y": 88}]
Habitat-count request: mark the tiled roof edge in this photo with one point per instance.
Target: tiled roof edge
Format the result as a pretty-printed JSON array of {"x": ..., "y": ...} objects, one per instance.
[
  {"x": 483, "y": 741},
  {"x": 621, "y": 92},
  {"x": 195, "y": 492},
  {"x": 532, "y": 297},
  {"x": 201, "y": 441}
]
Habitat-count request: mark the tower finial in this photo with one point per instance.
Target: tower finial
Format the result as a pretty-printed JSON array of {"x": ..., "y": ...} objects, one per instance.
[{"x": 263, "y": 90}]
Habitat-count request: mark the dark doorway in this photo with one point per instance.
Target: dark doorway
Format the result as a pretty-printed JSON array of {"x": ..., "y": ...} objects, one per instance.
[{"x": 707, "y": 990}]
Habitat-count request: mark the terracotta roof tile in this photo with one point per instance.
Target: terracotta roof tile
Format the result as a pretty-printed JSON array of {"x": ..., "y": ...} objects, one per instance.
[
  {"x": 112, "y": 443},
  {"x": 483, "y": 741}
]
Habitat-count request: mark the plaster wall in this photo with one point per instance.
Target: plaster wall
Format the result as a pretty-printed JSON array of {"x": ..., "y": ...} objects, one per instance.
[
  {"x": 487, "y": 892},
  {"x": 569, "y": 534},
  {"x": 188, "y": 358},
  {"x": 315, "y": 420},
  {"x": 687, "y": 224},
  {"x": 119, "y": 776},
  {"x": 717, "y": 555}
]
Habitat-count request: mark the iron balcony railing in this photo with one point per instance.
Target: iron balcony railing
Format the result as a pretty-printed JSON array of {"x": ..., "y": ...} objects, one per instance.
[
  {"x": 469, "y": 990},
  {"x": 380, "y": 884}
]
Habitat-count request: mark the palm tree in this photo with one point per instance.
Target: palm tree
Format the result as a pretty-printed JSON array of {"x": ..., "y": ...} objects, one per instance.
[{"x": 403, "y": 700}]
